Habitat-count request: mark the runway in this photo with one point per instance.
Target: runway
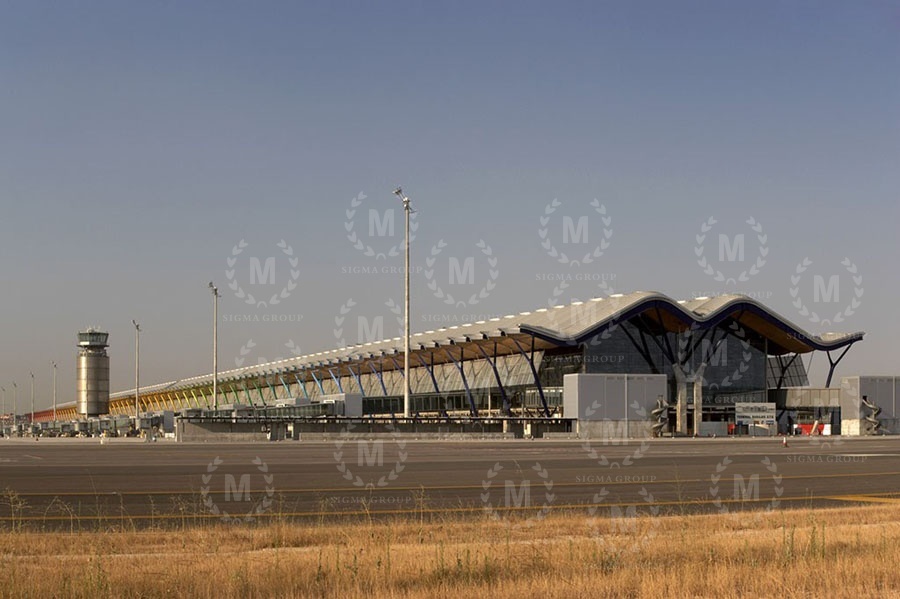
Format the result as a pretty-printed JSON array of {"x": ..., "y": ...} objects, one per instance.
[{"x": 64, "y": 482}]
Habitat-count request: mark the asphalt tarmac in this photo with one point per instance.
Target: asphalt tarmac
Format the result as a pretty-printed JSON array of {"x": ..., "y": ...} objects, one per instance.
[{"x": 79, "y": 482}]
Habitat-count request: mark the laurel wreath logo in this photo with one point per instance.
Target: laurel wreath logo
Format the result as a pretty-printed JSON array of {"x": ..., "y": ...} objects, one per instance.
[
  {"x": 639, "y": 540},
  {"x": 546, "y": 481},
  {"x": 256, "y": 508},
  {"x": 248, "y": 298},
  {"x": 685, "y": 339},
  {"x": 722, "y": 466},
  {"x": 295, "y": 349},
  {"x": 562, "y": 257},
  {"x": 448, "y": 298},
  {"x": 345, "y": 309},
  {"x": 628, "y": 460},
  {"x": 745, "y": 275},
  {"x": 367, "y": 249},
  {"x": 848, "y": 310},
  {"x": 834, "y": 439},
  {"x": 381, "y": 481},
  {"x": 246, "y": 348}
]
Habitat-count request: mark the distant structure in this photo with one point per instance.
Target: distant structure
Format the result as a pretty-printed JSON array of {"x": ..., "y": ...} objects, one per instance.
[{"x": 92, "y": 373}]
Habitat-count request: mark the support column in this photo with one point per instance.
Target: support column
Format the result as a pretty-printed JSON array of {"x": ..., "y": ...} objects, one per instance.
[
  {"x": 698, "y": 399},
  {"x": 680, "y": 400}
]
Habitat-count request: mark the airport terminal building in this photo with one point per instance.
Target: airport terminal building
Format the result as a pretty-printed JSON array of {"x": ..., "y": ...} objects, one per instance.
[{"x": 638, "y": 363}]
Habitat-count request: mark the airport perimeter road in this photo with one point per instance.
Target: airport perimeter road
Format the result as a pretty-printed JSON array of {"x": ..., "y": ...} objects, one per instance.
[{"x": 64, "y": 481}]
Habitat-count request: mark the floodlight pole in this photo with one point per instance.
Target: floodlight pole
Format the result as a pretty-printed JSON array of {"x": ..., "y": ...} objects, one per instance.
[
  {"x": 3, "y": 389},
  {"x": 137, "y": 371},
  {"x": 406, "y": 209},
  {"x": 32, "y": 401},
  {"x": 53, "y": 364},
  {"x": 215, "y": 391},
  {"x": 15, "y": 402}
]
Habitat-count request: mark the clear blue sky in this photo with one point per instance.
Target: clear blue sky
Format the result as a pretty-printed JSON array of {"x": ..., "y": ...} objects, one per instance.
[{"x": 142, "y": 141}]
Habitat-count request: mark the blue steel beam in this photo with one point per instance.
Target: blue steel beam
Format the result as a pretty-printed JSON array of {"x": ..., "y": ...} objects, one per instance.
[
  {"x": 493, "y": 364},
  {"x": 377, "y": 373},
  {"x": 534, "y": 373},
  {"x": 472, "y": 409},
  {"x": 397, "y": 366},
  {"x": 336, "y": 381},
  {"x": 302, "y": 384},
  {"x": 430, "y": 370},
  {"x": 287, "y": 389},
  {"x": 356, "y": 376},
  {"x": 318, "y": 382}
]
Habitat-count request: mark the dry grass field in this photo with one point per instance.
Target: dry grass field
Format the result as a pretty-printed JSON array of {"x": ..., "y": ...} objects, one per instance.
[{"x": 848, "y": 552}]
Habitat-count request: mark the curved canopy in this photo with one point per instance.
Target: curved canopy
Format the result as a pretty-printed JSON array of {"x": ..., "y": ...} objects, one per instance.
[
  {"x": 547, "y": 327},
  {"x": 581, "y": 321}
]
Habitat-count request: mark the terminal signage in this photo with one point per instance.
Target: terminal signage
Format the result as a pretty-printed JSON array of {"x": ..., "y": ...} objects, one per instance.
[{"x": 754, "y": 413}]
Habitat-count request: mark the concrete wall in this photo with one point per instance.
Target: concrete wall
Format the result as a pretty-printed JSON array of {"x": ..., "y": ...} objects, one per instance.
[
  {"x": 883, "y": 391},
  {"x": 612, "y": 406},
  {"x": 707, "y": 429},
  {"x": 235, "y": 432}
]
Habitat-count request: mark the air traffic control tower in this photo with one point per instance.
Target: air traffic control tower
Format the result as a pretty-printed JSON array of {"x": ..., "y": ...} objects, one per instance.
[{"x": 92, "y": 374}]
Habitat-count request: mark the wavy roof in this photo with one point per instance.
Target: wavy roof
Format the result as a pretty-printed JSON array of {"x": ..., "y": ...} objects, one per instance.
[
  {"x": 552, "y": 326},
  {"x": 580, "y": 321}
]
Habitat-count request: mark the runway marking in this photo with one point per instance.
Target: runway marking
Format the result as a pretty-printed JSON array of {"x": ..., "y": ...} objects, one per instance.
[
  {"x": 867, "y": 498},
  {"x": 415, "y": 511},
  {"x": 640, "y": 480}
]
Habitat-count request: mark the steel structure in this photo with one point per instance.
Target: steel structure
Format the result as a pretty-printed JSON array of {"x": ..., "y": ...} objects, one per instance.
[{"x": 518, "y": 359}]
